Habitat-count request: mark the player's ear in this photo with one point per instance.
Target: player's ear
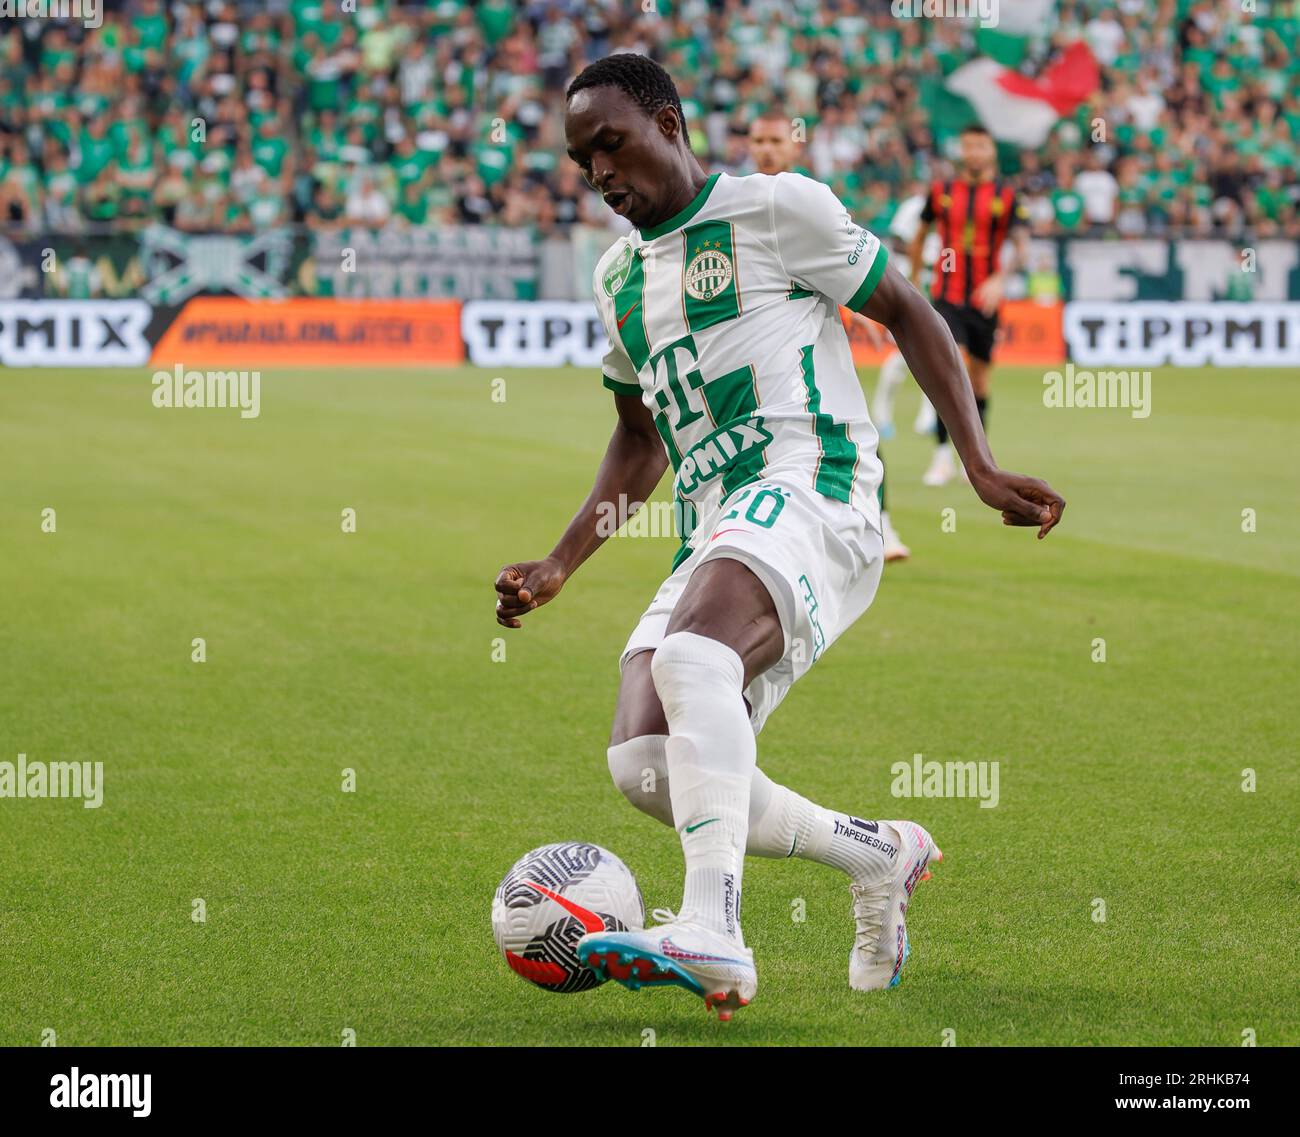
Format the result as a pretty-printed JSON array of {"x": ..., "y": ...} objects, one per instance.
[{"x": 670, "y": 126}]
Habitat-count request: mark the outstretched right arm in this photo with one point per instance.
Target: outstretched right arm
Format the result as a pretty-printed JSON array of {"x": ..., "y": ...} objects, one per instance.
[{"x": 633, "y": 464}]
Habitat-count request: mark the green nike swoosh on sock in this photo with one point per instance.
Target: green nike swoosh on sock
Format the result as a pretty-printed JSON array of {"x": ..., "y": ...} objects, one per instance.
[{"x": 700, "y": 825}]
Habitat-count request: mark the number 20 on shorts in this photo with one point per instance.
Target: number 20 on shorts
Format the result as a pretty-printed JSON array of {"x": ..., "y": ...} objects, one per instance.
[{"x": 764, "y": 507}]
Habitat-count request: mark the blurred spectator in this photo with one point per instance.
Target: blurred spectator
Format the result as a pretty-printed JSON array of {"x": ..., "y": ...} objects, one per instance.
[
  {"x": 367, "y": 204},
  {"x": 1099, "y": 190},
  {"x": 1067, "y": 201},
  {"x": 239, "y": 115}
]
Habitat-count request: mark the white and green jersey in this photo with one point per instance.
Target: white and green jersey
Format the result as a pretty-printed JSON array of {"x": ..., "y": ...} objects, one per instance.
[{"x": 725, "y": 320}]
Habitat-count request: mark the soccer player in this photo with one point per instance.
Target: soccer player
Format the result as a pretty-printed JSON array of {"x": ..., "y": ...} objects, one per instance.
[
  {"x": 727, "y": 359},
  {"x": 773, "y": 149},
  {"x": 902, "y": 228},
  {"x": 974, "y": 213}
]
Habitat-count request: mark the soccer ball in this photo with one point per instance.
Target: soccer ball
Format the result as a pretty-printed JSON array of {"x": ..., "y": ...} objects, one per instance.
[{"x": 550, "y": 899}]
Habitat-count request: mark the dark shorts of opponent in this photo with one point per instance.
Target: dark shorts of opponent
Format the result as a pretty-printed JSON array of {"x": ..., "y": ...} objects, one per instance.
[{"x": 970, "y": 328}]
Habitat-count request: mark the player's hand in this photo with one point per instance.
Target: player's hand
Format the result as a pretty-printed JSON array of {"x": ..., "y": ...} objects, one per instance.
[
  {"x": 1023, "y": 500},
  {"x": 524, "y": 586},
  {"x": 989, "y": 295}
]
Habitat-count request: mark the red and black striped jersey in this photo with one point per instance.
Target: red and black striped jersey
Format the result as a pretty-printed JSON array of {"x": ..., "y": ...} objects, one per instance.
[{"x": 973, "y": 219}]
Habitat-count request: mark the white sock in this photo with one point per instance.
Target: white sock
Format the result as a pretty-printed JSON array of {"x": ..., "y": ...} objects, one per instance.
[
  {"x": 712, "y": 828},
  {"x": 781, "y": 822},
  {"x": 892, "y": 372},
  {"x": 710, "y": 756},
  {"x": 925, "y": 417},
  {"x": 793, "y": 826}
]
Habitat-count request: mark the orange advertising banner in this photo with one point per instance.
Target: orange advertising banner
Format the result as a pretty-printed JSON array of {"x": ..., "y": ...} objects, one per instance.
[
  {"x": 1028, "y": 333},
  {"x": 213, "y": 331}
]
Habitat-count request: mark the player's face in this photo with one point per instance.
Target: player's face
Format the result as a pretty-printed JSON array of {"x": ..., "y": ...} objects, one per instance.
[
  {"x": 771, "y": 146},
  {"x": 978, "y": 154},
  {"x": 632, "y": 159}
]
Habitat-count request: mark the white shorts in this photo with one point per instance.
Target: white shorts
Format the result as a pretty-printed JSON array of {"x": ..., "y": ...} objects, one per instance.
[{"x": 820, "y": 559}]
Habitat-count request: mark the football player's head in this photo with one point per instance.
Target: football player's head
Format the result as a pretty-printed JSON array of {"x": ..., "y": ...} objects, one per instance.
[
  {"x": 771, "y": 142},
  {"x": 626, "y": 130},
  {"x": 979, "y": 155}
]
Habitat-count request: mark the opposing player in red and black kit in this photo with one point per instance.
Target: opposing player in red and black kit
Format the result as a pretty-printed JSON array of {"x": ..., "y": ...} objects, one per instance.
[{"x": 974, "y": 214}]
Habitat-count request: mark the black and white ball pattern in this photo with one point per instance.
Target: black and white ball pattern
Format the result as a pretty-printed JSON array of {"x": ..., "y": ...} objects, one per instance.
[{"x": 552, "y": 897}]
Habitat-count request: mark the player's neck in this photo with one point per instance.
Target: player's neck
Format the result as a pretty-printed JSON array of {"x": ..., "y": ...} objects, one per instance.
[
  {"x": 686, "y": 193},
  {"x": 978, "y": 179}
]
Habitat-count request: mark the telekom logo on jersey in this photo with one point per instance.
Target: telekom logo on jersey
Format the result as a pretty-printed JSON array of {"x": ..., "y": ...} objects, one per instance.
[{"x": 680, "y": 406}]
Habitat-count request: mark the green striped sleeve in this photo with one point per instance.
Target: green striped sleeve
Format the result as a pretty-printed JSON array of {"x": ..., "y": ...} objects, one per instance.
[
  {"x": 619, "y": 387},
  {"x": 859, "y": 299}
]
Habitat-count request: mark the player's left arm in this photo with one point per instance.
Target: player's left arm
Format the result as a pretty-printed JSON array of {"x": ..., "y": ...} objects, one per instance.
[
  {"x": 868, "y": 327},
  {"x": 927, "y": 345},
  {"x": 821, "y": 248}
]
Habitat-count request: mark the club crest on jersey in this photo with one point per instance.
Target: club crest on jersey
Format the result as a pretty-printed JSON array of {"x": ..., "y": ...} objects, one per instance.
[
  {"x": 709, "y": 272},
  {"x": 616, "y": 275}
]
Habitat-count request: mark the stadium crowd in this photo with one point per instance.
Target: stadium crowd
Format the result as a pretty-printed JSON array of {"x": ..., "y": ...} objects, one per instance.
[{"x": 213, "y": 115}]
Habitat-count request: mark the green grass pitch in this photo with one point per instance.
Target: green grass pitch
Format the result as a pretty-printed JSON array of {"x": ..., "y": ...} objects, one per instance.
[{"x": 329, "y": 911}]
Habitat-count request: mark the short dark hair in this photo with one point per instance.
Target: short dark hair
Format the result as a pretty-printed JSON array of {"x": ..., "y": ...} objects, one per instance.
[
  {"x": 639, "y": 77},
  {"x": 975, "y": 128}
]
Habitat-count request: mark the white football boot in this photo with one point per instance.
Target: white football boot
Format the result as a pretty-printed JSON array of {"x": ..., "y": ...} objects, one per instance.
[
  {"x": 676, "y": 953},
  {"x": 941, "y": 469},
  {"x": 880, "y": 946},
  {"x": 895, "y": 550}
]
